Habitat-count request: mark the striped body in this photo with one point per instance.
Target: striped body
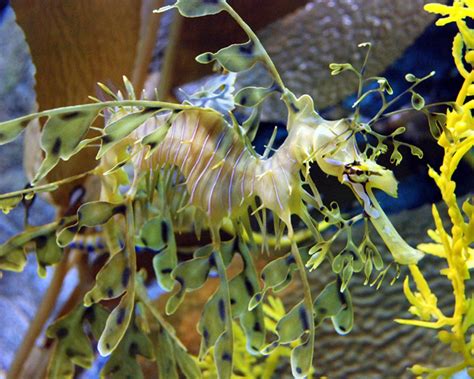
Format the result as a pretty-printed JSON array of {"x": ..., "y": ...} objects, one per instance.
[{"x": 222, "y": 176}]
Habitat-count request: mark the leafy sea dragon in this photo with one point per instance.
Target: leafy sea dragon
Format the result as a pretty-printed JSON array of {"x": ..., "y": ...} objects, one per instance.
[{"x": 162, "y": 163}]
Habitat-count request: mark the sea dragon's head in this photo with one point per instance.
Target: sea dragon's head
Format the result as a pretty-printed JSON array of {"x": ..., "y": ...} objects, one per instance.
[{"x": 333, "y": 146}]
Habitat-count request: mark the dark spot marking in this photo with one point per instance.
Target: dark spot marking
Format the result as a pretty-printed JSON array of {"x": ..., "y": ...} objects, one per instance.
[
  {"x": 263, "y": 276},
  {"x": 212, "y": 260},
  {"x": 276, "y": 87},
  {"x": 119, "y": 209},
  {"x": 24, "y": 123},
  {"x": 69, "y": 116},
  {"x": 2, "y": 136},
  {"x": 210, "y": 1},
  {"x": 74, "y": 228},
  {"x": 41, "y": 242},
  {"x": 205, "y": 334},
  {"x": 153, "y": 109},
  {"x": 120, "y": 316},
  {"x": 221, "y": 306},
  {"x": 294, "y": 108},
  {"x": 226, "y": 357},
  {"x": 258, "y": 297},
  {"x": 323, "y": 310},
  {"x": 70, "y": 352},
  {"x": 166, "y": 271},
  {"x": 304, "y": 318},
  {"x": 90, "y": 314},
  {"x": 233, "y": 301},
  {"x": 257, "y": 327},
  {"x": 248, "y": 286},
  {"x": 342, "y": 297},
  {"x": 152, "y": 145},
  {"x": 299, "y": 370},
  {"x": 290, "y": 260},
  {"x": 114, "y": 369},
  {"x": 164, "y": 231},
  {"x": 57, "y": 146},
  {"x": 110, "y": 292},
  {"x": 107, "y": 139},
  {"x": 247, "y": 48},
  {"x": 125, "y": 276},
  {"x": 62, "y": 332},
  {"x": 133, "y": 349},
  {"x": 107, "y": 346},
  {"x": 343, "y": 329},
  {"x": 243, "y": 100}
]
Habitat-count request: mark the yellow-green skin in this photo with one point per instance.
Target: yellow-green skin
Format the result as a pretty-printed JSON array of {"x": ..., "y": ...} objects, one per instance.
[{"x": 223, "y": 177}]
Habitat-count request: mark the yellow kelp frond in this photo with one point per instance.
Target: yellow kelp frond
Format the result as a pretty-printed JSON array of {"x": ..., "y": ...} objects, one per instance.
[{"x": 451, "y": 242}]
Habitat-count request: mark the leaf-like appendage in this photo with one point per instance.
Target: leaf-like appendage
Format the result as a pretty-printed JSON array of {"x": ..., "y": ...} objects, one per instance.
[
  {"x": 9, "y": 203},
  {"x": 165, "y": 259},
  {"x": 61, "y": 136},
  {"x": 154, "y": 234},
  {"x": 72, "y": 344},
  {"x": 196, "y": 8},
  {"x": 117, "y": 323},
  {"x": 90, "y": 214},
  {"x": 346, "y": 262},
  {"x": 337, "y": 304},
  {"x": 165, "y": 358},
  {"x": 111, "y": 281},
  {"x": 121, "y": 128},
  {"x": 187, "y": 364},
  {"x": 252, "y": 96},
  {"x": 242, "y": 288},
  {"x": 12, "y": 254},
  {"x": 154, "y": 139},
  {"x": 235, "y": 58},
  {"x": 212, "y": 322},
  {"x": 190, "y": 275},
  {"x": 122, "y": 362},
  {"x": 223, "y": 354},
  {"x": 172, "y": 356},
  {"x": 276, "y": 275},
  {"x": 302, "y": 359},
  {"x": 10, "y": 130},
  {"x": 294, "y": 324},
  {"x": 47, "y": 252},
  {"x": 13, "y": 260}
]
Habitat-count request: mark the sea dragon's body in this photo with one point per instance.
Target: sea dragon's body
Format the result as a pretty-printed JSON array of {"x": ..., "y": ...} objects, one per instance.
[
  {"x": 196, "y": 156},
  {"x": 223, "y": 176}
]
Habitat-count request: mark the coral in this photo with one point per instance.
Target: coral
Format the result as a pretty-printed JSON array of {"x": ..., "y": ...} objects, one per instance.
[
  {"x": 167, "y": 168},
  {"x": 453, "y": 245}
]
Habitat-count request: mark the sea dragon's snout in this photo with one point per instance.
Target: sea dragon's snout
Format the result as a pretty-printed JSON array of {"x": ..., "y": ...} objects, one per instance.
[{"x": 339, "y": 156}]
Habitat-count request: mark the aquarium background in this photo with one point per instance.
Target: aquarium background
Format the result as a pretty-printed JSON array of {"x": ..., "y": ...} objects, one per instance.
[{"x": 20, "y": 293}]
